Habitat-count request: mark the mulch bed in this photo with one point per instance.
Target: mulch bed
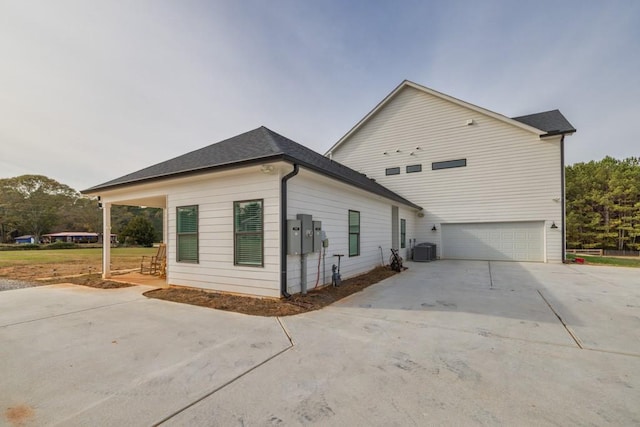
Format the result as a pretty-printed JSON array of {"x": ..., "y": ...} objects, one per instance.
[
  {"x": 314, "y": 300},
  {"x": 91, "y": 280}
]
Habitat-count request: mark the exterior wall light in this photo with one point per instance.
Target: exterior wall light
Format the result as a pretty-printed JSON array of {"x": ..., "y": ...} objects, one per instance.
[
  {"x": 267, "y": 169},
  {"x": 434, "y": 228},
  {"x": 553, "y": 225}
]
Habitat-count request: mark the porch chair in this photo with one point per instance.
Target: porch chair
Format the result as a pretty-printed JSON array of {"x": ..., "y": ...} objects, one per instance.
[{"x": 155, "y": 264}]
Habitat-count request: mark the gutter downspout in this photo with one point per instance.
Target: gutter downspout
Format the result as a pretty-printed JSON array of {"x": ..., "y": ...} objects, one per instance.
[
  {"x": 283, "y": 230},
  {"x": 562, "y": 183}
]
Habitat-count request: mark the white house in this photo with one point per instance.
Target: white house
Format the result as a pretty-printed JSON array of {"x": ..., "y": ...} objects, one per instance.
[
  {"x": 227, "y": 208},
  {"x": 492, "y": 187},
  {"x": 422, "y": 167}
]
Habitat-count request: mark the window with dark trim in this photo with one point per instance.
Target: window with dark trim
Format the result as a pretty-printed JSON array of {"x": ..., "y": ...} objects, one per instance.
[
  {"x": 403, "y": 233},
  {"x": 414, "y": 168},
  {"x": 187, "y": 233},
  {"x": 392, "y": 171},
  {"x": 248, "y": 231},
  {"x": 449, "y": 164},
  {"x": 354, "y": 233}
]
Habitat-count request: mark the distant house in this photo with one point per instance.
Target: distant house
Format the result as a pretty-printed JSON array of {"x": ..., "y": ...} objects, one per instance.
[
  {"x": 25, "y": 239},
  {"x": 71, "y": 237}
]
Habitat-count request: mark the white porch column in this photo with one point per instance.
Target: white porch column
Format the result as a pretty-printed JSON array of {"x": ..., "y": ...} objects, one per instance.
[
  {"x": 165, "y": 225},
  {"x": 106, "y": 240}
]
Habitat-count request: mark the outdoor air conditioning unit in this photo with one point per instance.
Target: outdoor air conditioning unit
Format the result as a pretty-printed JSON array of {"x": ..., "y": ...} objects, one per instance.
[{"x": 424, "y": 252}]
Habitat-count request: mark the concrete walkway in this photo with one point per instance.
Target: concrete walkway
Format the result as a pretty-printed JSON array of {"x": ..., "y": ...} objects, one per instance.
[
  {"x": 448, "y": 343},
  {"x": 73, "y": 355}
]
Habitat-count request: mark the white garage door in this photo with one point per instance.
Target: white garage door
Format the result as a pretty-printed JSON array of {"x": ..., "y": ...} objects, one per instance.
[{"x": 498, "y": 241}]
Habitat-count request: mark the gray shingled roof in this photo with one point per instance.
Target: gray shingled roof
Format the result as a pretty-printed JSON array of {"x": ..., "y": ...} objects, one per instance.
[
  {"x": 257, "y": 146},
  {"x": 552, "y": 122}
]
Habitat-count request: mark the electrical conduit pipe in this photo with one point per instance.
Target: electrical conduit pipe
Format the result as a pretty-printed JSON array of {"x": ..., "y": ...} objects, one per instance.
[{"x": 283, "y": 230}]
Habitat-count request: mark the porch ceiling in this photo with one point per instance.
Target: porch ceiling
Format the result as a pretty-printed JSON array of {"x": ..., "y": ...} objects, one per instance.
[{"x": 151, "y": 202}]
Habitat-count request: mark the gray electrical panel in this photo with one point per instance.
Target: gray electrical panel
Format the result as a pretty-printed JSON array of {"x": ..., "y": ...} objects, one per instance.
[
  {"x": 307, "y": 233},
  {"x": 317, "y": 236},
  {"x": 294, "y": 237}
]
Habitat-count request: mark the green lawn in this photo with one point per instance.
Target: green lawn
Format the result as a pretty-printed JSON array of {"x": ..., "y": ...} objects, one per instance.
[
  {"x": 619, "y": 262},
  {"x": 59, "y": 256}
]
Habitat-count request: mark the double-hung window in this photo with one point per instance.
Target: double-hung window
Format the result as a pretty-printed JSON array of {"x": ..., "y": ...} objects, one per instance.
[
  {"x": 354, "y": 233},
  {"x": 248, "y": 230},
  {"x": 187, "y": 233}
]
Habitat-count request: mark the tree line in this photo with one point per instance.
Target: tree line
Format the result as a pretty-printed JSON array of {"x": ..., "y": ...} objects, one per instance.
[
  {"x": 36, "y": 205},
  {"x": 603, "y": 204}
]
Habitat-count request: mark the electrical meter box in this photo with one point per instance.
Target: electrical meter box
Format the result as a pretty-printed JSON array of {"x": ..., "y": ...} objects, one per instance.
[
  {"x": 317, "y": 236},
  {"x": 294, "y": 237},
  {"x": 307, "y": 233}
]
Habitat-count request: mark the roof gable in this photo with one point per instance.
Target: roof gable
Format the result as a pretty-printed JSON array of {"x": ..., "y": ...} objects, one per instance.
[
  {"x": 256, "y": 146},
  {"x": 523, "y": 124}
]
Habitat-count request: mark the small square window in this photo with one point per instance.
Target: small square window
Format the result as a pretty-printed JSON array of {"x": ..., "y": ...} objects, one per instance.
[
  {"x": 414, "y": 168},
  {"x": 392, "y": 171}
]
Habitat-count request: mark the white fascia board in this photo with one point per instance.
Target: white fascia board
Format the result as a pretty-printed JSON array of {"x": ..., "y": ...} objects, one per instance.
[{"x": 440, "y": 95}]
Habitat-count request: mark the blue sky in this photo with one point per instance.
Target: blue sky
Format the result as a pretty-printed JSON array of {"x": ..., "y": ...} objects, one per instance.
[{"x": 92, "y": 90}]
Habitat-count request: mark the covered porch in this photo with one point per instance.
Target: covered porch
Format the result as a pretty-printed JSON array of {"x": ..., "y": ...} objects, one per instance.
[
  {"x": 137, "y": 278},
  {"x": 158, "y": 201}
]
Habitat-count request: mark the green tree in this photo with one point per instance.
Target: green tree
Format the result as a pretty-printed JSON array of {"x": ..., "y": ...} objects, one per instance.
[
  {"x": 121, "y": 215},
  {"x": 33, "y": 204},
  {"x": 83, "y": 215},
  {"x": 603, "y": 204},
  {"x": 139, "y": 230}
]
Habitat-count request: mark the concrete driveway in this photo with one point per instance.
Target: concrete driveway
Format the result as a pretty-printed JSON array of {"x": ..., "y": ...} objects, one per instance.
[{"x": 442, "y": 343}]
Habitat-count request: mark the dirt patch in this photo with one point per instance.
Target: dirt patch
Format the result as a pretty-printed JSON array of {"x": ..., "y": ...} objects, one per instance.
[
  {"x": 31, "y": 272},
  {"x": 314, "y": 300},
  {"x": 19, "y": 415},
  {"x": 39, "y": 271},
  {"x": 92, "y": 280}
]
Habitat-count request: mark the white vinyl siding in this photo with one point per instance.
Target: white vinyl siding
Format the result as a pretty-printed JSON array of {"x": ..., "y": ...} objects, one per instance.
[
  {"x": 215, "y": 195},
  {"x": 329, "y": 201},
  {"x": 507, "y": 241},
  {"x": 510, "y": 173}
]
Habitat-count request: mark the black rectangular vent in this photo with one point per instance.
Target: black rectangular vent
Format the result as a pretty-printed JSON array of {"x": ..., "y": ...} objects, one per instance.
[
  {"x": 392, "y": 171},
  {"x": 449, "y": 164}
]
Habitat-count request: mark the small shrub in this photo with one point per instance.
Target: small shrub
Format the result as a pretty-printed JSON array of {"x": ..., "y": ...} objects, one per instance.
[
  {"x": 20, "y": 247},
  {"x": 62, "y": 245}
]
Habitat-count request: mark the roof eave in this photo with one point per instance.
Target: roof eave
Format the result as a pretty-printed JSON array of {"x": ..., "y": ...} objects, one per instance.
[
  {"x": 324, "y": 172},
  {"x": 226, "y": 166},
  {"x": 558, "y": 132}
]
